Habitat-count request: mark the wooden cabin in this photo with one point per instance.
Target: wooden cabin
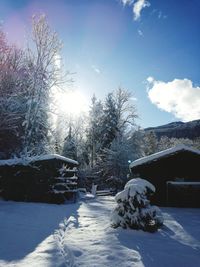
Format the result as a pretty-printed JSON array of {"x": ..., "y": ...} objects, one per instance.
[
  {"x": 47, "y": 178},
  {"x": 175, "y": 173}
]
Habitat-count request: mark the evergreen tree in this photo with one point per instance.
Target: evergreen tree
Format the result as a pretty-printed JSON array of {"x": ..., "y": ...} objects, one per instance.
[
  {"x": 69, "y": 149},
  {"x": 136, "y": 142},
  {"x": 114, "y": 163},
  {"x": 109, "y": 122},
  {"x": 94, "y": 130},
  {"x": 133, "y": 207},
  {"x": 116, "y": 149}
]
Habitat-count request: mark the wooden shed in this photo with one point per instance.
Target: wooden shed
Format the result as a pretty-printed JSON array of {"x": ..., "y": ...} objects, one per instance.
[
  {"x": 47, "y": 178},
  {"x": 175, "y": 173}
]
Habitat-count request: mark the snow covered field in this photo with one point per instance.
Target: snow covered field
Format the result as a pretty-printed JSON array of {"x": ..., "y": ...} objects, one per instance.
[{"x": 47, "y": 235}]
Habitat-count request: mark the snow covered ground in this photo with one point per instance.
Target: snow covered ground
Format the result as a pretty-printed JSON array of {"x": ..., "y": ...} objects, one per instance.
[{"x": 46, "y": 235}]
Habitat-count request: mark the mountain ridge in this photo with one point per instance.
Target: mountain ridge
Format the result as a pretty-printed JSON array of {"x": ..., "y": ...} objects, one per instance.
[{"x": 177, "y": 129}]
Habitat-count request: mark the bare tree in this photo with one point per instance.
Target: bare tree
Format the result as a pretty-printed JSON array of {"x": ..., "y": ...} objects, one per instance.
[
  {"x": 151, "y": 143},
  {"x": 44, "y": 75},
  {"x": 126, "y": 110}
]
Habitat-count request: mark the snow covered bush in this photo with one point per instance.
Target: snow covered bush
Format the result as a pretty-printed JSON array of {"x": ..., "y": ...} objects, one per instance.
[{"x": 133, "y": 207}]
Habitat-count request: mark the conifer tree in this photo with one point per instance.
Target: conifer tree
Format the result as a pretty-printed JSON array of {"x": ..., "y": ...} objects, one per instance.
[
  {"x": 133, "y": 207},
  {"x": 69, "y": 149},
  {"x": 94, "y": 130},
  {"x": 109, "y": 122}
]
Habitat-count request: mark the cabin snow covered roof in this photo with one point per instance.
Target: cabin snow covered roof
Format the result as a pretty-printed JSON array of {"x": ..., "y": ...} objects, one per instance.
[
  {"x": 54, "y": 156},
  {"x": 29, "y": 160},
  {"x": 164, "y": 153}
]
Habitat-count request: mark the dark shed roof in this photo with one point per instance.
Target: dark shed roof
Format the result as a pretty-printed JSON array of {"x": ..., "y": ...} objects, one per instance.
[{"x": 163, "y": 154}]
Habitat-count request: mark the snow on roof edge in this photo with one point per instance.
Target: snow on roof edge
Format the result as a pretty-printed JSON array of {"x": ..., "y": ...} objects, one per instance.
[
  {"x": 53, "y": 156},
  {"x": 14, "y": 161},
  {"x": 28, "y": 160},
  {"x": 163, "y": 153}
]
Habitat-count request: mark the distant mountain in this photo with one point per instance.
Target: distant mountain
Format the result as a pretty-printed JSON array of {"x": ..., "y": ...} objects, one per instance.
[{"x": 177, "y": 129}]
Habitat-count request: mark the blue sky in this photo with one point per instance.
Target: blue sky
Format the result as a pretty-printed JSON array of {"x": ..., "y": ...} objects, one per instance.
[{"x": 107, "y": 47}]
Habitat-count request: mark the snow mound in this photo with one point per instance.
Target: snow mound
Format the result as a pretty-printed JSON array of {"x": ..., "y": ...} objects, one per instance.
[
  {"x": 140, "y": 183},
  {"x": 134, "y": 187}
]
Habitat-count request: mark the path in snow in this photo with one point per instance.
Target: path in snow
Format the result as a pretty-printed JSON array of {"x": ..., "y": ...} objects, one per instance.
[{"x": 95, "y": 244}]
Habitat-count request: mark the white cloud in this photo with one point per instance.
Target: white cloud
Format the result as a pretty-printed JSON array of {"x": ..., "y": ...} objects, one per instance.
[
  {"x": 127, "y": 2},
  {"x": 138, "y": 6},
  {"x": 140, "y": 33},
  {"x": 97, "y": 70},
  {"x": 150, "y": 79},
  {"x": 161, "y": 15},
  {"x": 178, "y": 97}
]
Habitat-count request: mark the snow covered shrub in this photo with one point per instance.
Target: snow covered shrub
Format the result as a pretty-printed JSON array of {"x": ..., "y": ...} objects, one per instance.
[{"x": 133, "y": 207}]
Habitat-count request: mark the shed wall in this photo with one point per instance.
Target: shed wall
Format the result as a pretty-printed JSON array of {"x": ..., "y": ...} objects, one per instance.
[{"x": 183, "y": 166}]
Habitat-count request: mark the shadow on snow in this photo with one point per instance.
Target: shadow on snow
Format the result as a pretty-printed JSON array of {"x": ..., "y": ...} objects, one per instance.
[
  {"x": 23, "y": 226},
  {"x": 173, "y": 245}
]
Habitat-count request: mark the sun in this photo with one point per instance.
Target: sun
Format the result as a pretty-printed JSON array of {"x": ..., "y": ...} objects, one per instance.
[{"x": 72, "y": 103}]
